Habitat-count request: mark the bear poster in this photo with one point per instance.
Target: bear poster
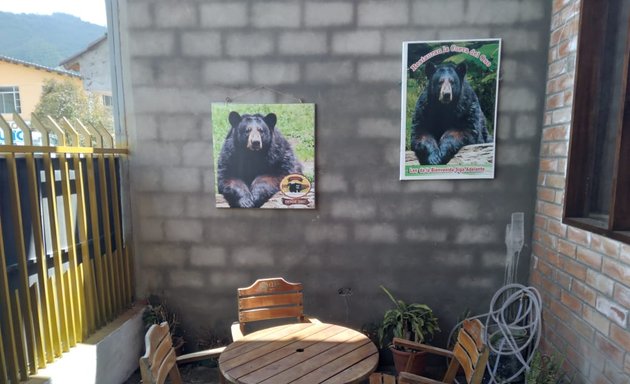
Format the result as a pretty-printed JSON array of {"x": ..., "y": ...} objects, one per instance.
[
  {"x": 264, "y": 155},
  {"x": 448, "y": 113}
]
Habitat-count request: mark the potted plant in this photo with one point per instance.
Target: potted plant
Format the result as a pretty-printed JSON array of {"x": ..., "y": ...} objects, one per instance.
[
  {"x": 414, "y": 322},
  {"x": 157, "y": 312}
]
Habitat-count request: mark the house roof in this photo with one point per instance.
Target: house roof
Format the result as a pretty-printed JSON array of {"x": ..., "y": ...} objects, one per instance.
[
  {"x": 90, "y": 47},
  {"x": 38, "y": 66}
]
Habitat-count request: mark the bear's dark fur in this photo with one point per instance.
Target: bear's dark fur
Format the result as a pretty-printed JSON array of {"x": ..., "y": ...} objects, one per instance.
[
  {"x": 254, "y": 159},
  {"x": 447, "y": 116}
]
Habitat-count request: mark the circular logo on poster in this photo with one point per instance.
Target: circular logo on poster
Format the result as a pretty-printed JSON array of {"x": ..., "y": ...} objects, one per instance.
[{"x": 295, "y": 185}]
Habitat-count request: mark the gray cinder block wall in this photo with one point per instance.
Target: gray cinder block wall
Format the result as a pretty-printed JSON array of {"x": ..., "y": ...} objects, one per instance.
[{"x": 434, "y": 242}]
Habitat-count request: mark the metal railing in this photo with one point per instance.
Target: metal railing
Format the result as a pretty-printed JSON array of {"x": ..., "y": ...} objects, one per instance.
[{"x": 65, "y": 269}]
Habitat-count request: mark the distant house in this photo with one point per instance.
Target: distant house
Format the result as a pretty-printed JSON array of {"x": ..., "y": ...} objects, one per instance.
[
  {"x": 94, "y": 66},
  {"x": 21, "y": 85}
]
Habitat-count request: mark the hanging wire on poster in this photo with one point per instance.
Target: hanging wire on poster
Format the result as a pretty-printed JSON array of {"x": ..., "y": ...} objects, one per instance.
[{"x": 229, "y": 99}]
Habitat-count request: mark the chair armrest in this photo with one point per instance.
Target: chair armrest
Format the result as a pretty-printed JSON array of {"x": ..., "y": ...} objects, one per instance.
[
  {"x": 237, "y": 334},
  {"x": 313, "y": 320},
  {"x": 406, "y": 377},
  {"x": 422, "y": 347},
  {"x": 201, "y": 355}
]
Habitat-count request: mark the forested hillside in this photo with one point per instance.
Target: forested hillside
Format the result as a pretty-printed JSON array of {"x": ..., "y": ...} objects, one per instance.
[{"x": 45, "y": 40}]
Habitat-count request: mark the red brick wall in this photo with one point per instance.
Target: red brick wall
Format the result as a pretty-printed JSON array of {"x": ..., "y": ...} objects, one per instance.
[{"x": 584, "y": 278}]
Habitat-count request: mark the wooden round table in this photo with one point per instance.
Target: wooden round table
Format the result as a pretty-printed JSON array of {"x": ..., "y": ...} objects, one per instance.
[{"x": 300, "y": 353}]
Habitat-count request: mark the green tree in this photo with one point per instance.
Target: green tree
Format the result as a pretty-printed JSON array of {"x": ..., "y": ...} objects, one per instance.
[{"x": 67, "y": 99}]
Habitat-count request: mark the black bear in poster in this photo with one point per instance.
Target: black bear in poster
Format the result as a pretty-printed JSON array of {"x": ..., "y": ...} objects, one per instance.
[
  {"x": 254, "y": 158},
  {"x": 447, "y": 116}
]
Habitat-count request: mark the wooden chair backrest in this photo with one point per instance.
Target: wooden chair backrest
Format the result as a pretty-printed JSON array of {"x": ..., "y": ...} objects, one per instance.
[
  {"x": 470, "y": 352},
  {"x": 268, "y": 299},
  {"x": 159, "y": 361}
]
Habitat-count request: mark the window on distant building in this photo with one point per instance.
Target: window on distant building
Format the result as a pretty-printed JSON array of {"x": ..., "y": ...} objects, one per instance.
[
  {"x": 598, "y": 173},
  {"x": 107, "y": 100},
  {"x": 10, "y": 100}
]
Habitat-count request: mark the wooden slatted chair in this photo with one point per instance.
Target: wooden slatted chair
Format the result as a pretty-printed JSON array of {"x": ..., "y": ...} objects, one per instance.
[
  {"x": 382, "y": 378},
  {"x": 268, "y": 299},
  {"x": 469, "y": 352},
  {"x": 160, "y": 361}
]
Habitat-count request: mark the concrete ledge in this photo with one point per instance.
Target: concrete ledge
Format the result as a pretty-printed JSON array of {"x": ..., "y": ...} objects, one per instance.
[{"x": 109, "y": 356}]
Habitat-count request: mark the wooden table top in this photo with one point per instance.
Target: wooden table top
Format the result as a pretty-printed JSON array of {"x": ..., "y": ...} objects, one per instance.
[{"x": 300, "y": 353}]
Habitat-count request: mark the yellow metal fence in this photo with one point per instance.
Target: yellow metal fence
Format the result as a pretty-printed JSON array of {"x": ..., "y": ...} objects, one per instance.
[{"x": 65, "y": 270}]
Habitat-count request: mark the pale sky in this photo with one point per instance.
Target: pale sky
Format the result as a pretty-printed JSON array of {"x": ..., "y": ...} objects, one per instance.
[{"x": 92, "y": 11}]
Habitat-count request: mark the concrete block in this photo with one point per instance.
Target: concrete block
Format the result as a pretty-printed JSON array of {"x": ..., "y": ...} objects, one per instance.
[
  {"x": 379, "y": 70},
  {"x": 328, "y": 14},
  {"x": 163, "y": 255},
  {"x": 376, "y": 127},
  {"x": 517, "y": 154},
  {"x": 208, "y": 256},
  {"x": 526, "y": 126},
  {"x": 274, "y": 73},
  {"x": 201, "y": 44},
  {"x": 462, "y": 209},
  {"x": 161, "y": 205},
  {"x": 393, "y": 38},
  {"x": 421, "y": 235},
  {"x": 179, "y": 127},
  {"x": 353, "y": 209},
  {"x": 324, "y": 234},
  {"x": 252, "y": 257},
  {"x": 376, "y": 233},
  {"x": 176, "y": 72},
  {"x": 499, "y": 12},
  {"x": 164, "y": 99},
  {"x": 156, "y": 154},
  {"x": 197, "y": 154},
  {"x": 180, "y": 14},
  {"x": 519, "y": 40},
  {"x": 380, "y": 14},
  {"x": 227, "y": 72},
  {"x": 146, "y": 127},
  {"x": 186, "y": 230},
  {"x": 179, "y": 278},
  {"x": 468, "y": 33},
  {"x": 476, "y": 234},
  {"x": 273, "y": 14},
  {"x": 357, "y": 43},
  {"x": 151, "y": 43},
  {"x": 142, "y": 71},
  {"x": 513, "y": 99},
  {"x": 145, "y": 179},
  {"x": 438, "y": 12},
  {"x": 330, "y": 72},
  {"x": 151, "y": 230},
  {"x": 233, "y": 278},
  {"x": 249, "y": 44},
  {"x": 201, "y": 206},
  {"x": 139, "y": 15},
  {"x": 532, "y": 11},
  {"x": 223, "y": 14},
  {"x": 332, "y": 182},
  {"x": 180, "y": 179},
  {"x": 303, "y": 43}
]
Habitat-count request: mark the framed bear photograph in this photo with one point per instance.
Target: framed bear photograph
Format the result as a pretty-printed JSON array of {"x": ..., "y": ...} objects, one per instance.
[
  {"x": 449, "y": 109},
  {"x": 264, "y": 155}
]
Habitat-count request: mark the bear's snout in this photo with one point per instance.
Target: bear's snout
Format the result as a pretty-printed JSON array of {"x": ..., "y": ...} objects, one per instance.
[
  {"x": 254, "y": 141},
  {"x": 446, "y": 92}
]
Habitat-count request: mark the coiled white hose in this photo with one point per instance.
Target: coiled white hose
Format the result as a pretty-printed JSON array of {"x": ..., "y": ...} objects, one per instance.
[{"x": 513, "y": 328}]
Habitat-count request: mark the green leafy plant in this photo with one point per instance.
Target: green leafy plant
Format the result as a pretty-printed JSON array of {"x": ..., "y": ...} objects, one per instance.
[
  {"x": 545, "y": 369},
  {"x": 415, "y": 322},
  {"x": 157, "y": 312}
]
